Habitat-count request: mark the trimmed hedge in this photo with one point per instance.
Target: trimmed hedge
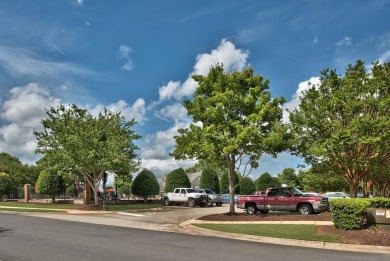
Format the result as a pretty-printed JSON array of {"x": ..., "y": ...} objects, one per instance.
[
  {"x": 379, "y": 202},
  {"x": 349, "y": 214}
]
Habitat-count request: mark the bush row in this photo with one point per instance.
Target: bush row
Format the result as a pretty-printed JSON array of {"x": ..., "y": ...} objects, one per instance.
[{"x": 351, "y": 213}]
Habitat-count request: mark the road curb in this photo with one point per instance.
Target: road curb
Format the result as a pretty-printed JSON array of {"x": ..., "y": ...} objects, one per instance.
[{"x": 280, "y": 241}]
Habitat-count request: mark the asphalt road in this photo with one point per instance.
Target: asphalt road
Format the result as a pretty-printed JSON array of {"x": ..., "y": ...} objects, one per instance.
[{"x": 35, "y": 238}]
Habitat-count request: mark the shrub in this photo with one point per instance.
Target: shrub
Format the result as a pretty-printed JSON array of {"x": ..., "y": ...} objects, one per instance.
[
  {"x": 379, "y": 202},
  {"x": 5, "y": 184},
  {"x": 349, "y": 213},
  {"x": 177, "y": 179},
  {"x": 224, "y": 183},
  {"x": 145, "y": 185}
]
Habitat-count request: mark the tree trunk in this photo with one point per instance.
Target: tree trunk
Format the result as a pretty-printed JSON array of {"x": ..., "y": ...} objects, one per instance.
[
  {"x": 53, "y": 199},
  {"x": 353, "y": 186},
  {"x": 145, "y": 199},
  {"x": 95, "y": 194},
  {"x": 231, "y": 175}
]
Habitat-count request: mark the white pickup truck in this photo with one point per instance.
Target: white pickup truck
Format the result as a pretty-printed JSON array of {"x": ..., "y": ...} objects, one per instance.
[{"x": 185, "y": 195}]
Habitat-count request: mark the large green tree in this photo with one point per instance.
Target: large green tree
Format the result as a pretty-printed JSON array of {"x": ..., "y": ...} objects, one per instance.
[
  {"x": 289, "y": 178},
  {"x": 75, "y": 141},
  {"x": 343, "y": 124},
  {"x": 177, "y": 179},
  {"x": 5, "y": 184},
  {"x": 209, "y": 179},
  {"x": 266, "y": 181},
  {"x": 50, "y": 183},
  {"x": 321, "y": 181},
  {"x": 145, "y": 185},
  {"x": 235, "y": 121},
  {"x": 246, "y": 186}
]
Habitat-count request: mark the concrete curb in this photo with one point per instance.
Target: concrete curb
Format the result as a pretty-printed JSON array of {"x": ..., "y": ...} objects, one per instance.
[{"x": 281, "y": 241}]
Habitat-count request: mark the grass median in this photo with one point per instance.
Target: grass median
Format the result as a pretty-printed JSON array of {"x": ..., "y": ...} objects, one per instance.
[
  {"x": 42, "y": 207},
  {"x": 301, "y": 232}
]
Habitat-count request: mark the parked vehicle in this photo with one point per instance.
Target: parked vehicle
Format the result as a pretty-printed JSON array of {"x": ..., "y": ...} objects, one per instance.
[
  {"x": 226, "y": 198},
  {"x": 212, "y": 197},
  {"x": 185, "y": 195},
  {"x": 332, "y": 195},
  {"x": 283, "y": 199}
]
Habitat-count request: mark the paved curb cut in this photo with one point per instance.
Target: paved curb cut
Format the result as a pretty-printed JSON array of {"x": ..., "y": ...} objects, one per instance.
[{"x": 281, "y": 241}]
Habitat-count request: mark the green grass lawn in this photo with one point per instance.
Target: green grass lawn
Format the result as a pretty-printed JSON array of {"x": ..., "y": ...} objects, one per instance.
[
  {"x": 39, "y": 206},
  {"x": 302, "y": 232},
  {"x": 25, "y": 207},
  {"x": 30, "y": 210}
]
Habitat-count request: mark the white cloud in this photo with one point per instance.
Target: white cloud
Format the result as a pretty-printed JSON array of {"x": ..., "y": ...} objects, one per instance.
[
  {"x": 174, "y": 111},
  {"x": 136, "y": 111},
  {"x": 26, "y": 105},
  {"x": 295, "y": 100},
  {"x": 24, "y": 109},
  {"x": 226, "y": 53},
  {"x": 124, "y": 54},
  {"x": 163, "y": 167},
  {"x": 343, "y": 43},
  {"x": 19, "y": 62}
]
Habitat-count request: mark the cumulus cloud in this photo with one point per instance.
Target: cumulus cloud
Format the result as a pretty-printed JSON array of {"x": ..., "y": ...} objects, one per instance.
[
  {"x": 124, "y": 54},
  {"x": 226, "y": 53},
  {"x": 24, "y": 109},
  {"x": 163, "y": 167},
  {"x": 135, "y": 111},
  {"x": 295, "y": 99},
  {"x": 174, "y": 111},
  {"x": 26, "y": 105}
]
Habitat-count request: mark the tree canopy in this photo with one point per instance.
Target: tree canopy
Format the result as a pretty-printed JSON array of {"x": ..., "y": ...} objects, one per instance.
[
  {"x": 289, "y": 178},
  {"x": 145, "y": 185},
  {"x": 50, "y": 183},
  {"x": 235, "y": 121},
  {"x": 5, "y": 184},
  {"x": 266, "y": 181},
  {"x": 209, "y": 179},
  {"x": 247, "y": 186},
  {"x": 75, "y": 141},
  {"x": 343, "y": 124},
  {"x": 177, "y": 179}
]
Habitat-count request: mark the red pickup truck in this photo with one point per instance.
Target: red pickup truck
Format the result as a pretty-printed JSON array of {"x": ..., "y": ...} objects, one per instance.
[{"x": 283, "y": 199}]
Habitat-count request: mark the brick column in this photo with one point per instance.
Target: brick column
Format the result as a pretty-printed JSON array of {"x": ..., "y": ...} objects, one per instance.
[{"x": 27, "y": 195}]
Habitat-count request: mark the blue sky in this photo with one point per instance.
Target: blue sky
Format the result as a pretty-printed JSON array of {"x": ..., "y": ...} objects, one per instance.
[{"x": 137, "y": 57}]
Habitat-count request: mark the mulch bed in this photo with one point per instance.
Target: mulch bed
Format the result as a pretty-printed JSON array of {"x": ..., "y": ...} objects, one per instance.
[{"x": 367, "y": 236}]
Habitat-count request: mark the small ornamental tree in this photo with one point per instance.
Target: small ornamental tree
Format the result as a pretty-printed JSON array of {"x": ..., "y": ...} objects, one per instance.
[
  {"x": 209, "y": 179},
  {"x": 5, "y": 185},
  {"x": 177, "y": 179},
  {"x": 50, "y": 183},
  {"x": 262, "y": 183},
  {"x": 247, "y": 186},
  {"x": 235, "y": 121},
  {"x": 145, "y": 185}
]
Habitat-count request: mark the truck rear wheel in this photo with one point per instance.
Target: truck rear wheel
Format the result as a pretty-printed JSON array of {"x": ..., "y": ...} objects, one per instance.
[
  {"x": 166, "y": 202},
  {"x": 251, "y": 208},
  {"x": 218, "y": 204},
  {"x": 191, "y": 202},
  {"x": 305, "y": 209}
]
